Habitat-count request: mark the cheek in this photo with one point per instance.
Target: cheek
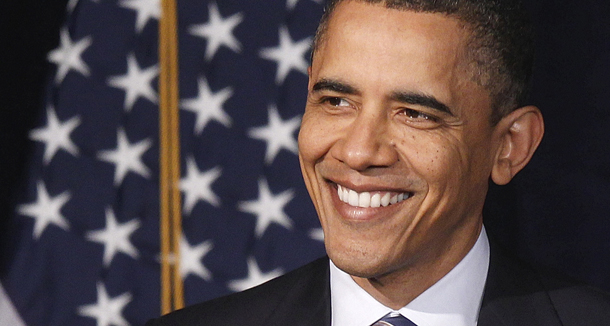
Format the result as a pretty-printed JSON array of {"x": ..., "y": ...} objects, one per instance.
[
  {"x": 314, "y": 143},
  {"x": 456, "y": 171},
  {"x": 310, "y": 148},
  {"x": 317, "y": 135},
  {"x": 436, "y": 158},
  {"x": 452, "y": 170}
]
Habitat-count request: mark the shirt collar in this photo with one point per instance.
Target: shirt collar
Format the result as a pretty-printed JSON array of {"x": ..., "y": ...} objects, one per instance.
[{"x": 453, "y": 300}]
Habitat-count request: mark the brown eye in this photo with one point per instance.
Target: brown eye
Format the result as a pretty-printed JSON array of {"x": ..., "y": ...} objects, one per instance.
[
  {"x": 336, "y": 101},
  {"x": 417, "y": 115}
]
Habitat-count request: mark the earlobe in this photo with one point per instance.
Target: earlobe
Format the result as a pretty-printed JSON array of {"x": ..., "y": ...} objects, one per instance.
[{"x": 520, "y": 134}]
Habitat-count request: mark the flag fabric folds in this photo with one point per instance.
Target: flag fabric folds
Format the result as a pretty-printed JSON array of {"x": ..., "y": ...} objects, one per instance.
[{"x": 85, "y": 247}]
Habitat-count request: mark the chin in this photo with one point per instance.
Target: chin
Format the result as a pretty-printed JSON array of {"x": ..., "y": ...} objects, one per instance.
[{"x": 358, "y": 261}]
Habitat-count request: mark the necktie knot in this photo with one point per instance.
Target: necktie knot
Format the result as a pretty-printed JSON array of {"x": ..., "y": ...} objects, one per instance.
[{"x": 393, "y": 319}]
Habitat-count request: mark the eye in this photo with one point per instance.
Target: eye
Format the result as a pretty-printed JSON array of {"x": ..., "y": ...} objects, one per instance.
[
  {"x": 418, "y": 115},
  {"x": 336, "y": 101}
]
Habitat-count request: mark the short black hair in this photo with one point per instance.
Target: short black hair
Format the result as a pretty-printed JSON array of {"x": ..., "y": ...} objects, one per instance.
[{"x": 501, "y": 47}]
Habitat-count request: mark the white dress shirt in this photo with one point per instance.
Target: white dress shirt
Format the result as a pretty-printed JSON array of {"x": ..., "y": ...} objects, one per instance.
[{"x": 454, "y": 300}]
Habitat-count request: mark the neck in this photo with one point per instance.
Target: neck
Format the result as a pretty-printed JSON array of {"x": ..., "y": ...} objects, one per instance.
[{"x": 397, "y": 289}]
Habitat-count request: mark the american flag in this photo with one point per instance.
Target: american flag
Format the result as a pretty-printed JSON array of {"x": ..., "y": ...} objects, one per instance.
[{"x": 86, "y": 229}]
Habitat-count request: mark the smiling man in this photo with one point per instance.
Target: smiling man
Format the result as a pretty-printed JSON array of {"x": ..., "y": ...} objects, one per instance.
[{"x": 413, "y": 106}]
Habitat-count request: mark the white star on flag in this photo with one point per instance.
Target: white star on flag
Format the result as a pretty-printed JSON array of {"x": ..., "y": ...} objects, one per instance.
[
  {"x": 107, "y": 311},
  {"x": 268, "y": 208},
  {"x": 136, "y": 82},
  {"x": 317, "y": 234},
  {"x": 254, "y": 278},
  {"x": 208, "y": 106},
  {"x": 145, "y": 9},
  {"x": 290, "y": 4},
  {"x": 218, "y": 31},
  {"x": 72, "y": 4},
  {"x": 278, "y": 134},
  {"x": 191, "y": 259},
  {"x": 115, "y": 237},
  {"x": 288, "y": 55},
  {"x": 67, "y": 56},
  {"x": 198, "y": 185},
  {"x": 92, "y": 185},
  {"x": 56, "y": 135},
  {"x": 126, "y": 157},
  {"x": 46, "y": 210}
]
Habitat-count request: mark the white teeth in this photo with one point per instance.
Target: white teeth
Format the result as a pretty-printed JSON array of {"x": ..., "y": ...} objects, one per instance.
[
  {"x": 353, "y": 198},
  {"x": 376, "y": 200},
  {"x": 394, "y": 199},
  {"x": 365, "y": 199},
  {"x": 385, "y": 200}
]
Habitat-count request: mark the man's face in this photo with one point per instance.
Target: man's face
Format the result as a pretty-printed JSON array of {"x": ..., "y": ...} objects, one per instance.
[{"x": 396, "y": 147}]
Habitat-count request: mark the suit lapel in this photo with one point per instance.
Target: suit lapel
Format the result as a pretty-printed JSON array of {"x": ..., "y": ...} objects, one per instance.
[
  {"x": 307, "y": 302},
  {"x": 514, "y": 295}
]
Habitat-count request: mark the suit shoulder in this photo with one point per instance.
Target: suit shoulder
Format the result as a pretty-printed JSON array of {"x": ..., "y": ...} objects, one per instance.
[
  {"x": 256, "y": 305},
  {"x": 517, "y": 293},
  {"x": 577, "y": 303}
]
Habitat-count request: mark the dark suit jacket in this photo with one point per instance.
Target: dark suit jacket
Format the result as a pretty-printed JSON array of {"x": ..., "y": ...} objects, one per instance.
[{"x": 515, "y": 295}]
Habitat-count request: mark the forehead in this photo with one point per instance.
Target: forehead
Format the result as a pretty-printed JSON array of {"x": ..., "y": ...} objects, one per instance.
[
  {"x": 357, "y": 11},
  {"x": 378, "y": 25},
  {"x": 395, "y": 50}
]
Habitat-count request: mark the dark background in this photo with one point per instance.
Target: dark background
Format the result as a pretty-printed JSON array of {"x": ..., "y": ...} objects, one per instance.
[
  {"x": 555, "y": 213},
  {"x": 29, "y": 29}
]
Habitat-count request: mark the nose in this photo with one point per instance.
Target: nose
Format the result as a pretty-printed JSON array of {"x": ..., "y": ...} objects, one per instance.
[{"x": 366, "y": 143}]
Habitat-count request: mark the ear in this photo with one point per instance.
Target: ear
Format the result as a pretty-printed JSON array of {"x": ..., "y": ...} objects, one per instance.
[{"x": 520, "y": 133}]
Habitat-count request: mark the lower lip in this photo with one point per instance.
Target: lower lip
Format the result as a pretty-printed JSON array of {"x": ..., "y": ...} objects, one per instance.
[{"x": 360, "y": 214}]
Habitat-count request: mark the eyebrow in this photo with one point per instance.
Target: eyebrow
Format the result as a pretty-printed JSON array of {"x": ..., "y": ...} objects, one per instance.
[
  {"x": 421, "y": 99},
  {"x": 413, "y": 98},
  {"x": 334, "y": 86}
]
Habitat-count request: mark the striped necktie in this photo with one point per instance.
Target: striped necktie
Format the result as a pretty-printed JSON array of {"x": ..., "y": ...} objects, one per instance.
[{"x": 393, "y": 319}]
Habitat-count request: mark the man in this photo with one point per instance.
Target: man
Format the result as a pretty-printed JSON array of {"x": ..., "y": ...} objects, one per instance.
[{"x": 413, "y": 106}]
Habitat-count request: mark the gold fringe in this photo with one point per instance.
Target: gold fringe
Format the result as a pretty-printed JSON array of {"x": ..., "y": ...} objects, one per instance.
[{"x": 172, "y": 287}]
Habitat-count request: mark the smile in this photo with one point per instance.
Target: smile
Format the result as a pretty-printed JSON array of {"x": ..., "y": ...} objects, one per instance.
[{"x": 370, "y": 199}]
